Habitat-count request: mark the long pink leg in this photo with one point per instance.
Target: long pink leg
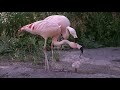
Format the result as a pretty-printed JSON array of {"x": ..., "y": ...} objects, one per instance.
[
  {"x": 46, "y": 59},
  {"x": 52, "y": 50},
  {"x": 58, "y": 49}
]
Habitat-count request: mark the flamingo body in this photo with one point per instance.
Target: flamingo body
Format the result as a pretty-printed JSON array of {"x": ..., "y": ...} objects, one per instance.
[
  {"x": 45, "y": 29},
  {"x": 60, "y": 20}
]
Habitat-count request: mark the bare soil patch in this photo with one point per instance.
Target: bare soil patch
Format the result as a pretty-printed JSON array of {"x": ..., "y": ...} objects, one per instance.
[{"x": 97, "y": 63}]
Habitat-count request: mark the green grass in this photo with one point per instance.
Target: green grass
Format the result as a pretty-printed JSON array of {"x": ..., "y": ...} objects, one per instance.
[{"x": 21, "y": 49}]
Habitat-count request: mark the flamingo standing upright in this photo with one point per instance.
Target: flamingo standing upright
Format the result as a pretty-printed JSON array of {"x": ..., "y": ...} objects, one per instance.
[{"x": 47, "y": 29}]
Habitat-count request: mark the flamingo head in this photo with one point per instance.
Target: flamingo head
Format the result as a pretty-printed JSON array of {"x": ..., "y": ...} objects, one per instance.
[
  {"x": 21, "y": 30},
  {"x": 77, "y": 46},
  {"x": 73, "y": 33}
]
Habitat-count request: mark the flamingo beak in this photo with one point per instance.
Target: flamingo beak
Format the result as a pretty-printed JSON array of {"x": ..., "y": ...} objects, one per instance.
[
  {"x": 81, "y": 50},
  {"x": 80, "y": 47}
]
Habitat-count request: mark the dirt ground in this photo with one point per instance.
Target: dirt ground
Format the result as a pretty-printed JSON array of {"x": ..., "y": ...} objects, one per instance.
[{"x": 95, "y": 63}]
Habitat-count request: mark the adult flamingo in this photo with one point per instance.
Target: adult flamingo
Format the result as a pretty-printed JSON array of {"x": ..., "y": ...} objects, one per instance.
[
  {"x": 48, "y": 29},
  {"x": 65, "y": 25}
]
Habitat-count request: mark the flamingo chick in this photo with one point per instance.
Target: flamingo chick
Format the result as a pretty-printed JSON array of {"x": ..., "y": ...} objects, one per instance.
[
  {"x": 76, "y": 65},
  {"x": 47, "y": 29}
]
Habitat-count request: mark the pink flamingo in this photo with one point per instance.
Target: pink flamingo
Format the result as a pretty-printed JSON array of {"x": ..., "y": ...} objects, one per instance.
[
  {"x": 65, "y": 25},
  {"x": 48, "y": 29}
]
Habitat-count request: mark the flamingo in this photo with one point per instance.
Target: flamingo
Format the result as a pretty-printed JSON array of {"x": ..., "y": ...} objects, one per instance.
[
  {"x": 48, "y": 29},
  {"x": 65, "y": 25},
  {"x": 76, "y": 65}
]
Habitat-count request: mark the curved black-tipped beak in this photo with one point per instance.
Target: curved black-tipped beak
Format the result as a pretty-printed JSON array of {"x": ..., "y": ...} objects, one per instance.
[{"x": 81, "y": 50}]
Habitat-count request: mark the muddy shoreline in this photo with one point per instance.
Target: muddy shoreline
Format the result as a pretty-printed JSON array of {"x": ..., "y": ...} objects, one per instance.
[{"x": 100, "y": 63}]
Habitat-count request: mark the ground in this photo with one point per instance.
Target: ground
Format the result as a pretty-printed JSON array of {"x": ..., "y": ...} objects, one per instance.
[{"x": 95, "y": 63}]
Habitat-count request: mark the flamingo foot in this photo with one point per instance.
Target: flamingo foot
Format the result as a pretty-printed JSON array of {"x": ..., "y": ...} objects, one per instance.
[{"x": 46, "y": 60}]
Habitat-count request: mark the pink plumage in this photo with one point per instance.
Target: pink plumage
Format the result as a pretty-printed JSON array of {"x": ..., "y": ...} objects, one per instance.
[{"x": 65, "y": 25}]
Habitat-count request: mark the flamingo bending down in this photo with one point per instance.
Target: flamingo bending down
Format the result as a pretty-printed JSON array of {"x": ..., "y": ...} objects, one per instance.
[
  {"x": 48, "y": 29},
  {"x": 65, "y": 25}
]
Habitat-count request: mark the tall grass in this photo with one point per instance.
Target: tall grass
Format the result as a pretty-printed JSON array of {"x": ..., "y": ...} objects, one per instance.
[
  {"x": 94, "y": 29},
  {"x": 21, "y": 49}
]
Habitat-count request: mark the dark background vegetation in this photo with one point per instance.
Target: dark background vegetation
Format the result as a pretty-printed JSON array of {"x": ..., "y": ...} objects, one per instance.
[{"x": 94, "y": 29}]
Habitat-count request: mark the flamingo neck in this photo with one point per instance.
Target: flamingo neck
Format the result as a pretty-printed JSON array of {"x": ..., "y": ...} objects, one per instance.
[
  {"x": 65, "y": 34},
  {"x": 72, "y": 31},
  {"x": 28, "y": 30},
  {"x": 71, "y": 44},
  {"x": 57, "y": 43}
]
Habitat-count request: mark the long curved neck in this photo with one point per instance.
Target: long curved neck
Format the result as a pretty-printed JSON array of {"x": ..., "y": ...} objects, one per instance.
[
  {"x": 72, "y": 31},
  {"x": 65, "y": 33},
  {"x": 28, "y": 30},
  {"x": 71, "y": 44},
  {"x": 57, "y": 43}
]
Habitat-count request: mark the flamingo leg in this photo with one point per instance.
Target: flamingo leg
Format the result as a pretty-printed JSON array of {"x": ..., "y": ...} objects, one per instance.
[
  {"x": 46, "y": 59},
  {"x": 58, "y": 50},
  {"x": 52, "y": 50}
]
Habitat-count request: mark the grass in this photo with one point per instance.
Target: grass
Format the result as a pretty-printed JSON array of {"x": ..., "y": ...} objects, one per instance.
[
  {"x": 21, "y": 49},
  {"x": 56, "y": 55}
]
